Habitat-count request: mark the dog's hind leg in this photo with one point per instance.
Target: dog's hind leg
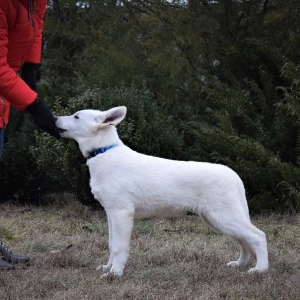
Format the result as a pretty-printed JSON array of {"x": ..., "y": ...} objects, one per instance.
[
  {"x": 243, "y": 259},
  {"x": 121, "y": 224},
  {"x": 251, "y": 239},
  {"x": 256, "y": 242},
  {"x": 244, "y": 253}
]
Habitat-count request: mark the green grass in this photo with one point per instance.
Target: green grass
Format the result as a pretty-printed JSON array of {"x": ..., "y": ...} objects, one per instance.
[{"x": 169, "y": 259}]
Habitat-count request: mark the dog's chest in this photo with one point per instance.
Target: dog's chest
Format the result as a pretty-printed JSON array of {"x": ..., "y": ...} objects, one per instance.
[{"x": 99, "y": 173}]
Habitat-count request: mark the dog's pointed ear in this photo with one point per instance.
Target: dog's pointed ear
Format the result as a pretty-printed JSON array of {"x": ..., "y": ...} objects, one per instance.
[{"x": 112, "y": 117}]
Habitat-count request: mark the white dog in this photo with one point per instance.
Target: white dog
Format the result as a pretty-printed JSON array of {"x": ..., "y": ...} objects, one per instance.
[{"x": 129, "y": 184}]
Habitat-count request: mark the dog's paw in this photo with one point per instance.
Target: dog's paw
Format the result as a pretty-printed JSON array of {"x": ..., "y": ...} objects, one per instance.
[
  {"x": 110, "y": 271},
  {"x": 112, "y": 274},
  {"x": 104, "y": 268},
  {"x": 257, "y": 269},
  {"x": 107, "y": 275},
  {"x": 234, "y": 263},
  {"x": 116, "y": 271}
]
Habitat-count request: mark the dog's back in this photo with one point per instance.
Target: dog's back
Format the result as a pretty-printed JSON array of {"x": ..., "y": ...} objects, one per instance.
[{"x": 157, "y": 186}]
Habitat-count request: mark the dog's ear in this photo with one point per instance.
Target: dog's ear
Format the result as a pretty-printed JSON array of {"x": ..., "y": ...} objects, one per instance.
[{"x": 112, "y": 117}]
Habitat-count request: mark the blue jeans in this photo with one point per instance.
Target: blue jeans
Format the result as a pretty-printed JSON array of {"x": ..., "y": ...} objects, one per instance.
[{"x": 1, "y": 140}]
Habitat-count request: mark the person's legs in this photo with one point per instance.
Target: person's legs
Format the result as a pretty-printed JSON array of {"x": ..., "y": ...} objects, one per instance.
[
  {"x": 1, "y": 141},
  {"x": 7, "y": 258},
  {"x": 3, "y": 264}
]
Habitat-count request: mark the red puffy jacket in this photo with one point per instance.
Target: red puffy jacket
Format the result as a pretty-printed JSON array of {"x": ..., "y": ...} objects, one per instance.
[{"x": 21, "y": 27}]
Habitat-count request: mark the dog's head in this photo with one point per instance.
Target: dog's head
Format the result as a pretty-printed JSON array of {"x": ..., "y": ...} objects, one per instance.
[{"x": 88, "y": 123}]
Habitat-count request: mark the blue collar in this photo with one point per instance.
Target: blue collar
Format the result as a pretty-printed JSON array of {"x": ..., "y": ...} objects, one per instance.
[{"x": 99, "y": 151}]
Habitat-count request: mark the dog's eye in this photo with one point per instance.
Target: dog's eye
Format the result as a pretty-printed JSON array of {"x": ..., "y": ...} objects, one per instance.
[{"x": 76, "y": 117}]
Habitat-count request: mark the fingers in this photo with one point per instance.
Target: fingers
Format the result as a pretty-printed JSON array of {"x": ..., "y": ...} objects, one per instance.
[{"x": 43, "y": 118}]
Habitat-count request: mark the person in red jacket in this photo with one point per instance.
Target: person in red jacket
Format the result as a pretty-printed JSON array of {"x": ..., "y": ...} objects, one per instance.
[{"x": 21, "y": 25}]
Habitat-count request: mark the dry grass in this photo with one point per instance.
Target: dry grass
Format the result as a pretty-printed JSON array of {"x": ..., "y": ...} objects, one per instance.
[{"x": 169, "y": 259}]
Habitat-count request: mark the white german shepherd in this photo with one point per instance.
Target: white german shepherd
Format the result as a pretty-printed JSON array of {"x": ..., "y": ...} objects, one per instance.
[{"x": 129, "y": 184}]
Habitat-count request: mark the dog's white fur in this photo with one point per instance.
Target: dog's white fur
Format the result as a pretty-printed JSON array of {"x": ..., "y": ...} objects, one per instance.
[{"x": 130, "y": 184}]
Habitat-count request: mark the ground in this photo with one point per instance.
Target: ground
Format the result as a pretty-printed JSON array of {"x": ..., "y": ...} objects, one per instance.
[{"x": 169, "y": 259}]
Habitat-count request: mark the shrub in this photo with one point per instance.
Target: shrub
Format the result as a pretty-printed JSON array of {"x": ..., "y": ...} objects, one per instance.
[
  {"x": 21, "y": 180},
  {"x": 265, "y": 156},
  {"x": 146, "y": 129},
  {"x": 20, "y": 177}
]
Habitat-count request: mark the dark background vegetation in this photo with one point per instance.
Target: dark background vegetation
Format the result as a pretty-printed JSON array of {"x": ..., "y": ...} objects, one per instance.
[{"x": 207, "y": 80}]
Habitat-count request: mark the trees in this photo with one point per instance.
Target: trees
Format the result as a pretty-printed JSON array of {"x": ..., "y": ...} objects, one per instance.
[{"x": 225, "y": 72}]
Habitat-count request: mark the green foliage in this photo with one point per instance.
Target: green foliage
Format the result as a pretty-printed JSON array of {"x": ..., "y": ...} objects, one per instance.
[
  {"x": 223, "y": 86},
  {"x": 145, "y": 129},
  {"x": 230, "y": 134},
  {"x": 20, "y": 178}
]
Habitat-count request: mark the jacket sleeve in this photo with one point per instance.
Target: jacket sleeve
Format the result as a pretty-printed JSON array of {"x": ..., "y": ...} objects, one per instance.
[
  {"x": 12, "y": 87},
  {"x": 34, "y": 56}
]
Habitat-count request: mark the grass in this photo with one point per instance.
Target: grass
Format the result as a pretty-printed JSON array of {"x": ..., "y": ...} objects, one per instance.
[{"x": 169, "y": 259}]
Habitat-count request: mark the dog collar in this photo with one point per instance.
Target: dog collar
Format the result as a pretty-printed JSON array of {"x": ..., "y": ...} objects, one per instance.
[{"x": 99, "y": 151}]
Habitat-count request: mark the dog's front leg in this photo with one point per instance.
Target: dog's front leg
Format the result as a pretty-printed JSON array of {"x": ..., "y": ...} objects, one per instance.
[
  {"x": 106, "y": 268},
  {"x": 120, "y": 225}
]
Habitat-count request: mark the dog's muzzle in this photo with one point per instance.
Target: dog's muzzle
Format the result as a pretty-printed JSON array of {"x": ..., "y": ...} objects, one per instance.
[{"x": 59, "y": 129}]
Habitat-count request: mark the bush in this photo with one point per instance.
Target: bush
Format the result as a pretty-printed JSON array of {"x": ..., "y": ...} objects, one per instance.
[
  {"x": 145, "y": 129},
  {"x": 265, "y": 157},
  {"x": 225, "y": 129},
  {"x": 20, "y": 178}
]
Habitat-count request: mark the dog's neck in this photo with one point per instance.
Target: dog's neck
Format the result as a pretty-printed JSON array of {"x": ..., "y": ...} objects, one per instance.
[{"x": 103, "y": 138}]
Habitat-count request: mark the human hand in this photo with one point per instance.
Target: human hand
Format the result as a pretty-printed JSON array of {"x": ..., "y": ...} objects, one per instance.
[{"x": 42, "y": 117}]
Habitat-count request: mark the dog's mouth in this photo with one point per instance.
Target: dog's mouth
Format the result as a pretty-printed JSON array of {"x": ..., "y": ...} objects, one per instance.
[{"x": 61, "y": 130}]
